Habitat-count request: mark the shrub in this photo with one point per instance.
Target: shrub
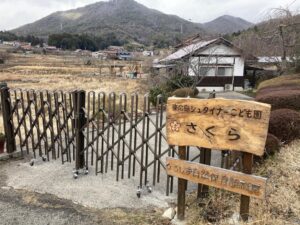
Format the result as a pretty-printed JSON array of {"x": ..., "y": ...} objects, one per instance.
[
  {"x": 281, "y": 98},
  {"x": 154, "y": 92},
  {"x": 3, "y": 57},
  {"x": 186, "y": 92},
  {"x": 284, "y": 80},
  {"x": 178, "y": 81},
  {"x": 2, "y": 137},
  {"x": 285, "y": 124},
  {"x": 263, "y": 78},
  {"x": 272, "y": 146},
  {"x": 273, "y": 89}
]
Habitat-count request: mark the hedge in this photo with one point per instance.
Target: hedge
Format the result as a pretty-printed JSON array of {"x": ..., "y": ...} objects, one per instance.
[
  {"x": 186, "y": 92},
  {"x": 279, "y": 99},
  {"x": 285, "y": 125}
]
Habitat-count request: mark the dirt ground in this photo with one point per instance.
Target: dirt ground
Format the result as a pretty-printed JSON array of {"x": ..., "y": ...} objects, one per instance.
[
  {"x": 21, "y": 207},
  {"x": 281, "y": 206}
]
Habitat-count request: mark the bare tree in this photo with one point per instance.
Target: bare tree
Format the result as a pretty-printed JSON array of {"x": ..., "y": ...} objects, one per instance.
[
  {"x": 286, "y": 28},
  {"x": 277, "y": 38}
]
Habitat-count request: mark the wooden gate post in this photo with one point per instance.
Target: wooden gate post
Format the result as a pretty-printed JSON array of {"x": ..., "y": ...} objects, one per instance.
[
  {"x": 205, "y": 158},
  {"x": 7, "y": 119},
  {"x": 181, "y": 188},
  {"x": 80, "y": 119},
  {"x": 245, "y": 200}
]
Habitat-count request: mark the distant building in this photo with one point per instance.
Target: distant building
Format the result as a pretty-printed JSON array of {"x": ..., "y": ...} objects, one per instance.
[
  {"x": 117, "y": 52},
  {"x": 148, "y": 53},
  {"x": 50, "y": 48},
  {"x": 15, "y": 44},
  {"x": 124, "y": 55},
  {"x": 116, "y": 48},
  {"x": 218, "y": 61},
  {"x": 99, "y": 55},
  {"x": 26, "y": 47},
  {"x": 81, "y": 52}
]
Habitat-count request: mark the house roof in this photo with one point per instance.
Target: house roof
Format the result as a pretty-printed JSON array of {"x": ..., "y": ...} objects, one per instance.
[
  {"x": 189, "y": 40},
  {"x": 185, "y": 51},
  {"x": 272, "y": 59}
]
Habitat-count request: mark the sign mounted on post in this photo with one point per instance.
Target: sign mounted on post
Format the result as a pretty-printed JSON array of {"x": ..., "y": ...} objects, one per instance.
[
  {"x": 218, "y": 124},
  {"x": 233, "y": 181},
  {"x": 221, "y": 124}
]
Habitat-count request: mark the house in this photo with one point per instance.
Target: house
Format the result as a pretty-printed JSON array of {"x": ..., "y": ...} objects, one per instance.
[
  {"x": 218, "y": 63},
  {"x": 272, "y": 63},
  {"x": 50, "y": 48},
  {"x": 148, "y": 53},
  {"x": 80, "y": 52},
  {"x": 26, "y": 48},
  {"x": 117, "y": 52},
  {"x": 124, "y": 55},
  {"x": 99, "y": 55},
  {"x": 116, "y": 48},
  {"x": 15, "y": 44}
]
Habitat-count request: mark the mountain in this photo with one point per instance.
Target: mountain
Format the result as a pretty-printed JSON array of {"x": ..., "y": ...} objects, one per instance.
[
  {"x": 130, "y": 21},
  {"x": 227, "y": 24},
  {"x": 127, "y": 19}
]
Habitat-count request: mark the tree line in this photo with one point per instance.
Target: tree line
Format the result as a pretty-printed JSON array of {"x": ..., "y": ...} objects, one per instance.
[
  {"x": 69, "y": 41},
  {"x": 8, "y": 36},
  {"x": 84, "y": 41}
]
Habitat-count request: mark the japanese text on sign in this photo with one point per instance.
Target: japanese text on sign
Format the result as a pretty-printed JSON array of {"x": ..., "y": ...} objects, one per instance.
[
  {"x": 228, "y": 180},
  {"x": 218, "y": 124}
]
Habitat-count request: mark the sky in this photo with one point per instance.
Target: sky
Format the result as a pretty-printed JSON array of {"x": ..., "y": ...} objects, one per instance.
[{"x": 14, "y": 13}]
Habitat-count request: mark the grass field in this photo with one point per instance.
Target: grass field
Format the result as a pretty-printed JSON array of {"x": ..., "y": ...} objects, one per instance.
[{"x": 68, "y": 73}]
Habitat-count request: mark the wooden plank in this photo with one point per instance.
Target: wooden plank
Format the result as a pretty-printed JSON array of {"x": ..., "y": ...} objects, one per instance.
[
  {"x": 233, "y": 181},
  {"x": 222, "y": 124}
]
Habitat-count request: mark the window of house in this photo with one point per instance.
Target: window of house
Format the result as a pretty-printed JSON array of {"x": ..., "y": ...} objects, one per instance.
[
  {"x": 207, "y": 71},
  {"x": 224, "y": 71}
]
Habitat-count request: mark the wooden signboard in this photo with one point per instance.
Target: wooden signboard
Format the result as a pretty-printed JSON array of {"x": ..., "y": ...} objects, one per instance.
[
  {"x": 237, "y": 182},
  {"x": 222, "y": 124}
]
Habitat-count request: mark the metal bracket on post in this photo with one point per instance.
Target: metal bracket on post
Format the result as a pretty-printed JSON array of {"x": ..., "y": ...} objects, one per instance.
[
  {"x": 8, "y": 126},
  {"x": 80, "y": 120}
]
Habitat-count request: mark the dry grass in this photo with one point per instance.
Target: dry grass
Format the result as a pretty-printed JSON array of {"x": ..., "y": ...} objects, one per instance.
[
  {"x": 50, "y": 72},
  {"x": 66, "y": 73},
  {"x": 282, "y": 205}
]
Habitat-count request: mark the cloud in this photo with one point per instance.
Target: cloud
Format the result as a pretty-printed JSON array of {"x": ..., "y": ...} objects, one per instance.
[{"x": 19, "y": 12}]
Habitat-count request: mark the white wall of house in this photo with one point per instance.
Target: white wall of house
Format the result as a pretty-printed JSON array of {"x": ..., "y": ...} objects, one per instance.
[
  {"x": 234, "y": 64},
  {"x": 220, "y": 49}
]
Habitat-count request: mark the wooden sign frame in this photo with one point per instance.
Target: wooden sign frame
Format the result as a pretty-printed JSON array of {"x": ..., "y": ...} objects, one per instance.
[{"x": 221, "y": 124}]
